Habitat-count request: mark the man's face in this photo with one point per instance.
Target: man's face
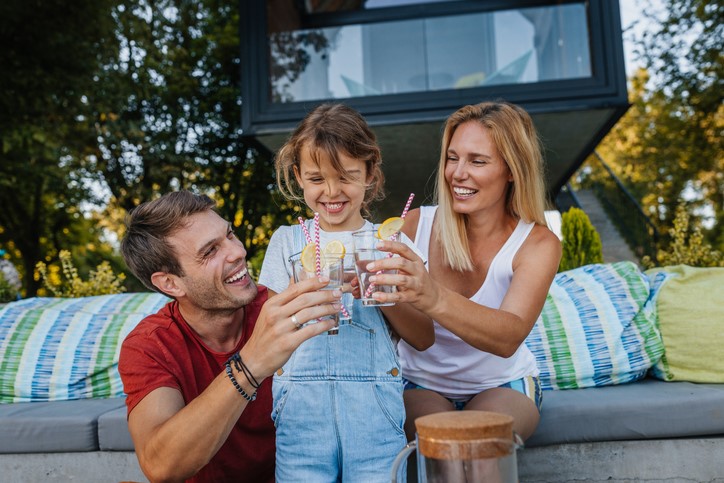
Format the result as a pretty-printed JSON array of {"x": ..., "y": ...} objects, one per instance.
[{"x": 214, "y": 264}]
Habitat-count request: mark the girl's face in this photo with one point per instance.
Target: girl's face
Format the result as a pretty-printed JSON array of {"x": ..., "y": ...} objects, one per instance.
[
  {"x": 336, "y": 197},
  {"x": 476, "y": 174}
]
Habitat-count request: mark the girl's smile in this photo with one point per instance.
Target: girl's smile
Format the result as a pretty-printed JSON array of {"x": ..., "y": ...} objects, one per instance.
[{"x": 336, "y": 194}]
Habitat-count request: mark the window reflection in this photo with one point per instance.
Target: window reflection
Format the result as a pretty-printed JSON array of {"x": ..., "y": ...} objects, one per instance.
[{"x": 417, "y": 55}]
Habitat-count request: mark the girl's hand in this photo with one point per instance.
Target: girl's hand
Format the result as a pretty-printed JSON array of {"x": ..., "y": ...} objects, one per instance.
[
  {"x": 414, "y": 285},
  {"x": 354, "y": 288}
]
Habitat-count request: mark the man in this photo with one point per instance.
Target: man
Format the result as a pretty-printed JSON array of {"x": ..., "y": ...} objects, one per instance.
[{"x": 197, "y": 372}]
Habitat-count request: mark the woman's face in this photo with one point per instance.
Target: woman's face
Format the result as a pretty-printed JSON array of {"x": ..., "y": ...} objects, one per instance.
[
  {"x": 476, "y": 174},
  {"x": 336, "y": 197}
]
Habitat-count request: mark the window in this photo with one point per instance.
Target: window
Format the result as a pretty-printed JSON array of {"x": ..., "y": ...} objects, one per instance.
[{"x": 441, "y": 52}]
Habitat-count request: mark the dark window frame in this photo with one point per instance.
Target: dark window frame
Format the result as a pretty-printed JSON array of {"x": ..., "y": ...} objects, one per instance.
[{"x": 605, "y": 86}]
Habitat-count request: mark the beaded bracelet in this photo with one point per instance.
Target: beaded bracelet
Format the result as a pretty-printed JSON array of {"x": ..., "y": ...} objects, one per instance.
[
  {"x": 241, "y": 390},
  {"x": 241, "y": 367}
]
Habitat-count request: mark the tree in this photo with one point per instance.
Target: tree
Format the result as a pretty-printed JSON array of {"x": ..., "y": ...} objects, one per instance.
[
  {"x": 668, "y": 147},
  {"x": 51, "y": 50},
  {"x": 168, "y": 114}
]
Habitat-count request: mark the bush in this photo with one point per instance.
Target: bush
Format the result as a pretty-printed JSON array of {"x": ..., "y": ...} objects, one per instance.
[
  {"x": 7, "y": 291},
  {"x": 581, "y": 241},
  {"x": 101, "y": 281},
  {"x": 9, "y": 280},
  {"x": 686, "y": 248}
]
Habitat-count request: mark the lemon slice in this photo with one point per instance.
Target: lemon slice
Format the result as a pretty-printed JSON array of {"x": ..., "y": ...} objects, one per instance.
[
  {"x": 309, "y": 258},
  {"x": 390, "y": 227},
  {"x": 335, "y": 248}
]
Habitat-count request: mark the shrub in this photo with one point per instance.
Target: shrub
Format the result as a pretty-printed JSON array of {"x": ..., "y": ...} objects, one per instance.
[
  {"x": 101, "y": 281},
  {"x": 686, "y": 248},
  {"x": 581, "y": 242},
  {"x": 9, "y": 280},
  {"x": 7, "y": 291}
]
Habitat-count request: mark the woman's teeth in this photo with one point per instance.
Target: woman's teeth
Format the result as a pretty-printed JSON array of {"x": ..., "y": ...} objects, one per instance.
[
  {"x": 237, "y": 277},
  {"x": 464, "y": 191}
]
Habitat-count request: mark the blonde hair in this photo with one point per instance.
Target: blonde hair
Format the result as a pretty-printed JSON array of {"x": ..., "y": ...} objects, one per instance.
[
  {"x": 328, "y": 130},
  {"x": 515, "y": 137}
]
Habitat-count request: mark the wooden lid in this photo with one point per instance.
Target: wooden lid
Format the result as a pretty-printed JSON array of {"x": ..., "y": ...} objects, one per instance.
[{"x": 465, "y": 435}]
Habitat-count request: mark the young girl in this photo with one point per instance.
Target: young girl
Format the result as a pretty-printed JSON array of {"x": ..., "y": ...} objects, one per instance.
[{"x": 338, "y": 407}]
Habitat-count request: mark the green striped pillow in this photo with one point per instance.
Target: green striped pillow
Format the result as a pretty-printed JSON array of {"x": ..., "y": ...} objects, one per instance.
[
  {"x": 598, "y": 328},
  {"x": 67, "y": 348}
]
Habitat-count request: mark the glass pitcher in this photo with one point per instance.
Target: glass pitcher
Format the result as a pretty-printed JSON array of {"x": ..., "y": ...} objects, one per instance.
[{"x": 463, "y": 446}]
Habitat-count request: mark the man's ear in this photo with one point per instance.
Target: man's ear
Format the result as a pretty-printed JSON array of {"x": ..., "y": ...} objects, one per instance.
[{"x": 167, "y": 284}]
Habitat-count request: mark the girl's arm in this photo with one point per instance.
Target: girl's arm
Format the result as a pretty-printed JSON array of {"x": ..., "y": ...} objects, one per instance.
[
  {"x": 497, "y": 331},
  {"x": 411, "y": 325}
]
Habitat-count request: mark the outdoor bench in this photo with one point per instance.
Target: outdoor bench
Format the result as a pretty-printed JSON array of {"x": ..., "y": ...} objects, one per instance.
[{"x": 605, "y": 416}]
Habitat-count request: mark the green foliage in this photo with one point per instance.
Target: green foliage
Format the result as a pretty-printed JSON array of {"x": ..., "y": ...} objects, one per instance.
[
  {"x": 101, "y": 281},
  {"x": 168, "y": 115},
  {"x": 687, "y": 246},
  {"x": 581, "y": 242},
  {"x": 8, "y": 293},
  {"x": 670, "y": 143},
  {"x": 49, "y": 56}
]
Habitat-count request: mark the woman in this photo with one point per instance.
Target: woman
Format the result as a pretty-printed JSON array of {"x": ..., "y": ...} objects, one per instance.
[{"x": 491, "y": 261}]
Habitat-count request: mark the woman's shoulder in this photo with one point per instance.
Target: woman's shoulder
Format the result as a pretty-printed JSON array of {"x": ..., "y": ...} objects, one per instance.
[
  {"x": 410, "y": 226},
  {"x": 541, "y": 242}
]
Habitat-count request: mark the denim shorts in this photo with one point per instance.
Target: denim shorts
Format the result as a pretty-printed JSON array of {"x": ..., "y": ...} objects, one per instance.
[
  {"x": 338, "y": 407},
  {"x": 529, "y": 386}
]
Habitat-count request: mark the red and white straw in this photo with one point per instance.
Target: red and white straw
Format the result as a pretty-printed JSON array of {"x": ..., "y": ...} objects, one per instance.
[
  {"x": 304, "y": 229},
  {"x": 317, "y": 251},
  {"x": 371, "y": 286}
]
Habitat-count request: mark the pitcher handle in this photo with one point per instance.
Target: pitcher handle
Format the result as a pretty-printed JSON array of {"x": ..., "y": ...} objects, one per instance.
[{"x": 402, "y": 456}]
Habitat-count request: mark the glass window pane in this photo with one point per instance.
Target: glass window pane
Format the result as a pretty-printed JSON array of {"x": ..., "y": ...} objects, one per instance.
[{"x": 449, "y": 52}]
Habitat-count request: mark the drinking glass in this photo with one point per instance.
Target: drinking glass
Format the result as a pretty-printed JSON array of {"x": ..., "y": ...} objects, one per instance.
[
  {"x": 331, "y": 267},
  {"x": 365, "y": 252}
]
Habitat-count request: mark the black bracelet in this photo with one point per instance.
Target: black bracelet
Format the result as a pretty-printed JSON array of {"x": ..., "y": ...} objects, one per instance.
[
  {"x": 241, "y": 367},
  {"x": 240, "y": 389}
]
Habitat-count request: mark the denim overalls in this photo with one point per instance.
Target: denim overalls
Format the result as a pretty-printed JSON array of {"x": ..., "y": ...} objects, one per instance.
[{"x": 338, "y": 406}]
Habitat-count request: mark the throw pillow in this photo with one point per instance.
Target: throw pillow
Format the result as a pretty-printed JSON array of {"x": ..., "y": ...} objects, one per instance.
[
  {"x": 67, "y": 348},
  {"x": 690, "y": 311},
  {"x": 597, "y": 328}
]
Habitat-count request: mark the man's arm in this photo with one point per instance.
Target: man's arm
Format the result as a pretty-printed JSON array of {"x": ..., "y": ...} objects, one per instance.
[{"x": 174, "y": 441}]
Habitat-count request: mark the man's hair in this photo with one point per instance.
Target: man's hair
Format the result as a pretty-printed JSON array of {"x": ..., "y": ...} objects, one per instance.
[{"x": 145, "y": 246}]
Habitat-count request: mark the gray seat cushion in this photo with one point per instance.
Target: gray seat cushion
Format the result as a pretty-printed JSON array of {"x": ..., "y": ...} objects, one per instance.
[
  {"x": 647, "y": 409},
  {"x": 49, "y": 427},
  {"x": 113, "y": 432}
]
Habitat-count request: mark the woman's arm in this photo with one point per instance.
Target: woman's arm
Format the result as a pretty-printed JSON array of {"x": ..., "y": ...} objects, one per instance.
[
  {"x": 413, "y": 326},
  {"x": 497, "y": 331}
]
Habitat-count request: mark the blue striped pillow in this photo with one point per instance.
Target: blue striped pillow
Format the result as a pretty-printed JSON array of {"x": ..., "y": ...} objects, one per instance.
[
  {"x": 67, "y": 348},
  {"x": 597, "y": 328}
]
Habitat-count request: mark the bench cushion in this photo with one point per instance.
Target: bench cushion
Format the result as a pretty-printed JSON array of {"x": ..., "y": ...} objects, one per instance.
[
  {"x": 690, "y": 309},
  {"x": 113, "y": 432},
  {"x": 50, "y": 427},
  {"x": 54, "y": 349},
  {"x": 647, "y": 409},
  {"x": 597, "y": 328}
]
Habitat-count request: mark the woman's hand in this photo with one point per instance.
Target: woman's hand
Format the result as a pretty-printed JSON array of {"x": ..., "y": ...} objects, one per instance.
[{"x": 413, "y": 282}]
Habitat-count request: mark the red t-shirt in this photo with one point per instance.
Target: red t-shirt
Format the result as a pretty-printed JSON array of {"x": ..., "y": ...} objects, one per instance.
[{"x": 163, "y": 351}]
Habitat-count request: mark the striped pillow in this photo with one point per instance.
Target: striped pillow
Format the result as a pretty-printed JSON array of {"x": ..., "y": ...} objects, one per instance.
[
  {"x": 67, "y": 348},
  {"x": 598, "y": 328}
]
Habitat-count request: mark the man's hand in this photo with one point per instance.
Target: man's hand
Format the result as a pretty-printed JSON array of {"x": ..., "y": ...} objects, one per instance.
[{"x": 278, "y": 331}]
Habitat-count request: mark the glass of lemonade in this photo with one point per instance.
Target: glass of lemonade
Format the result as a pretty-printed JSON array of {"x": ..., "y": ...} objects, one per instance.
[
  {"x": 331, "y": 267},
  {"x": 365, "y": 252}
]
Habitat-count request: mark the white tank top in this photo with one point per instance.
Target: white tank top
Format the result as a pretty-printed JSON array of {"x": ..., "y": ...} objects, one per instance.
[{"x": 451, "y": 366}]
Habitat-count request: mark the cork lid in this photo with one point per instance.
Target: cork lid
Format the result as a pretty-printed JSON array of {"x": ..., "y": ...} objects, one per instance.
[{"x": 465, "y": 435}]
